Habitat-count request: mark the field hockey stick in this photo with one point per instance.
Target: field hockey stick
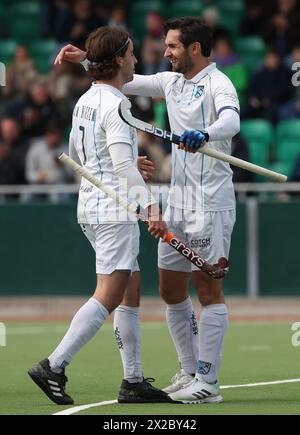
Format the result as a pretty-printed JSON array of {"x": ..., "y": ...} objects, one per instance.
[
  {"x": 125, "y": 114},
  {"x": 217, "y": 271}
]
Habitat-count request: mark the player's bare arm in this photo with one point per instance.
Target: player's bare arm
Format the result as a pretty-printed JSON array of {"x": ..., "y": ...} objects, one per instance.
[
  {"x": 70, "y": 53},
  {"x": 145, "y": 167},
  {"x": 157, "y": 226}
]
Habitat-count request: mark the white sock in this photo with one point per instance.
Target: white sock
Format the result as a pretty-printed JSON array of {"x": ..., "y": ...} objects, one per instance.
[
  {"x": 183, "y": 328},
  {"x": 213, "y": 326},
  {"x": 128, "y": 336},
  {"x": 84, "y": 326}
]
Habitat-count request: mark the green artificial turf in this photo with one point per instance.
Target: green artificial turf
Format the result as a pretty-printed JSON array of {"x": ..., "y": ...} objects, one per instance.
[{"x": 253, "y": 352}]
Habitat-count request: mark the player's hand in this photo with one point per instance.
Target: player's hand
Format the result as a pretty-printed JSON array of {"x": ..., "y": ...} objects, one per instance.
[
  {"x": 157, "y": 227},
  {"x": 70, "y": 53},
  {"x": 192, "y": 140},
  {"x": 42, "y": 176},
  {"x": 146, "y": 167}
]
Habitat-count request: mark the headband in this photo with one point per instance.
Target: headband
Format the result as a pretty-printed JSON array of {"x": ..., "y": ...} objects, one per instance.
[{"x": 111, "y": 55}]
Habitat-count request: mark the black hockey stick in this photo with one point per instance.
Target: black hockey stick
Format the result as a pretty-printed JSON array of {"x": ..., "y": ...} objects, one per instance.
[
  {"x": 217, "y": 271},
  {"x": 125, "y": 114}
]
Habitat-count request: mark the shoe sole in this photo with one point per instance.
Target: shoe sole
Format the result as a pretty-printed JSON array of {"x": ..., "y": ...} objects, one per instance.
[
  {"x": 140, "y": 400},
  {"x": 216, "y": 399},
  {"x": 171, "y": 389},
  {"x": 44, "y": 387}
]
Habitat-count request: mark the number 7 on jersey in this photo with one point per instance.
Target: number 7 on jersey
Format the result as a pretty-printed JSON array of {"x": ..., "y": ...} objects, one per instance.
[{"x": 81, "y": 128}]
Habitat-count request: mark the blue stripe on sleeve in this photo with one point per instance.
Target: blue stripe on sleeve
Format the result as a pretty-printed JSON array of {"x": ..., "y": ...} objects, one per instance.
[
  {"x": 202, "y": 162},
  {"x": 99, "y": 161},
  {"x": 228, "y": 108}
]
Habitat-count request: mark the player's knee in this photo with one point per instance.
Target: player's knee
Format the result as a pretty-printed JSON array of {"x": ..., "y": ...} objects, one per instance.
[
  {"x": 131, "y": 298},
  {"x": 171, "y": 296},
  {"x": 207, "y": 297},
  {"x": 165, "y": 293}
]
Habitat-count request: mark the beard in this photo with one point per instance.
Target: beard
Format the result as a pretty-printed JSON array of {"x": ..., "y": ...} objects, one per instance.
[
  {"x": 184, "y": 65},
  {"x": 128, "y": 76}
]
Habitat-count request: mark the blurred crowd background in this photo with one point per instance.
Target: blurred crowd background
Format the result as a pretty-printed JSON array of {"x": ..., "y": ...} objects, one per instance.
[{"x": 256, "y": 43}]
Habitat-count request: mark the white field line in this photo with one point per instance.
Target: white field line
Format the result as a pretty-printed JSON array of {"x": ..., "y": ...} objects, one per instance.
[
  {"x": 83, "y": 407},
  {"x": 255, "y": 348},
  {"x": 76, "y": 409},
  {"x": 27, "y": 330},
  {"x": 259, "y": 384},
  {"x": 58, "y": 329}
]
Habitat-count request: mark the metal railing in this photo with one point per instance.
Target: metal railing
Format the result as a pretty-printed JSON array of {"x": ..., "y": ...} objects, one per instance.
[
  {"x": 249, "y": 193},
  {"x": 73, "y": 188}
]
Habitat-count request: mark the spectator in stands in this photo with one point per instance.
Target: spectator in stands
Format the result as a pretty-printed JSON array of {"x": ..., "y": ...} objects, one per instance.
[
  {"x": 65, "y": 85},
  {"x": 20, "y": 74},
  {"x": 154, "y": 46},
  {"x": 254, "y": 19},
  {"x": 296, "y": 171},
  {"x": 118, "y": 18},
  {"x": 34, "y": 111},
  {"x": 269, "y": 89},
  {"x": 142, "y": 108},
  {"x": 54, "y": 14},
  {"x": 282, "y": 30},
  {"x": 78, "y": 23},
  {"x": 10, "y": 146},
  {"x": 61, "y": 82},
  {"x": 291, "y": 109},
  {"x": 166, "y": 171},
  {"x": 15, "y": 147},
  {"x": 42, "y": 164},
  {"x": 212, "y": 17},
  {"x": 230, "y": 64},
  {"x": 148, "y": 146},
  {"x": 239, "y": 149},
  {"x": 9, "y": 173}
]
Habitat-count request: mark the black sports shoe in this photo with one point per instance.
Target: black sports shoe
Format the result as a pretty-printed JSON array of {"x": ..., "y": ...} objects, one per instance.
[
  {"x": 142, "y": 392},
  {"x": 53, "y": 384}
]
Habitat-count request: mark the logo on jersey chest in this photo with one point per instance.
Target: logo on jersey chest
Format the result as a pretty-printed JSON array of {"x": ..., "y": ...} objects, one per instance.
[
  {"x": 198, "y": 91},
  {"x": 177, "y": 88}
]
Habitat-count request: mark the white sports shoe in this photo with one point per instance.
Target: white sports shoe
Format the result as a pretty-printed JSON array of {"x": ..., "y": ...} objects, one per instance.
[
  {"x": 180, "y": 380},
  {"x": 198, "y": 391}
]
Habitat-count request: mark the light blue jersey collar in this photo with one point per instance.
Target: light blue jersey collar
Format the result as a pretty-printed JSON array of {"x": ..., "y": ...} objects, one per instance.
[
  {"x": 108, "y": 87},
  {"x": 203, "y": 72}
]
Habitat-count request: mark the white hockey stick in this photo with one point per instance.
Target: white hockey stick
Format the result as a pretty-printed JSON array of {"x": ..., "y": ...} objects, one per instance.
[
  {"x": 218, "y": 270},
  {"x": 125, "y": 114}
]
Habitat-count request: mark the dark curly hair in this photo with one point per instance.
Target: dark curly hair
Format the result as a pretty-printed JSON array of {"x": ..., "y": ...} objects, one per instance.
[
  {"x": 192, "y": 29},
  {"x": 103, "y": 46}
]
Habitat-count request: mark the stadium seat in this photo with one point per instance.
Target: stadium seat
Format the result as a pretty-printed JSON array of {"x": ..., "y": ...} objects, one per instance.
[
  {"x": 288, "y": 130},
  {"x": 252, "y": 50},
  {"x": 42, "y": 51},
  {"x": 236, "y": 6},
  {"x": 2, "y": 19},
  {"x": 231, "y": 14},
  {"x": 42, "y": 64},
  {"x": 139, "y": 11},
  {"x": 24, "y": 21},
  {"x": 181, "y": 8},
  {"x": 7, "y": 50},
  {"x": 67, "y": 132},
  {"x": 259, "y": 135},
  {"x": 258, "y": 130},
  {"x": 25, "y": 8},
  {"x": 25, "y": 29},
  {"x": 287, "y": 144},
  {"x": 283, "y": 168},
  {"x": 43, "y": 47}
]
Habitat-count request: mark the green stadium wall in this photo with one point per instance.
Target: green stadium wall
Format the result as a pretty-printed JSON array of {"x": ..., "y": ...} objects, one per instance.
[{"x": 43, "y": 252}]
